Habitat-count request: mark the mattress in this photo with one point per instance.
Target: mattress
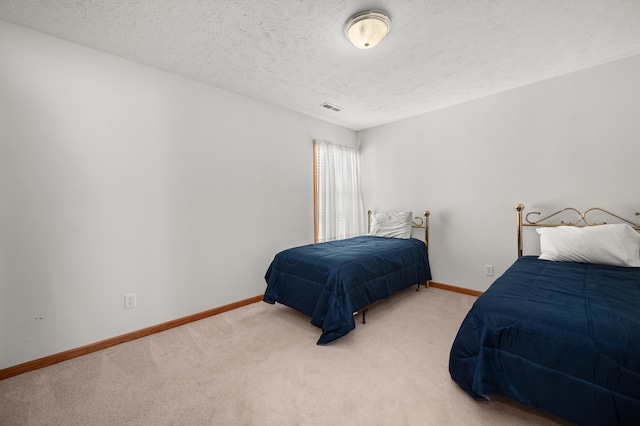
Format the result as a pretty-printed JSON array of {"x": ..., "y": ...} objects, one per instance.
[
  {"x": 559, "y": 336},
  {"x": 330, "y": 281}
]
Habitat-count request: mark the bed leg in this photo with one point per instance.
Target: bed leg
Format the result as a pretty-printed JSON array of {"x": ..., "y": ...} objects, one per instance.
[
  {"x": 364, "y": 311},
  {"x": 418, "y": 288}
]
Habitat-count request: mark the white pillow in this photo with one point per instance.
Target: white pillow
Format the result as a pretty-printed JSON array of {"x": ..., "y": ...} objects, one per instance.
[
  {"x": 391, "y": 224},
  {"x": 614, "y": 244}
]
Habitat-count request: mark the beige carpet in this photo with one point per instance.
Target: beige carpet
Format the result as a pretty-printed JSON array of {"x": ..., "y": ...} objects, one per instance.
[{"x": 260, "y": 365}]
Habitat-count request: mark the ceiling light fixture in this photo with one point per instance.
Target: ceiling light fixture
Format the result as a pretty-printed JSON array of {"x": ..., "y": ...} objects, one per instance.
[{"x": 366, "y": 29}]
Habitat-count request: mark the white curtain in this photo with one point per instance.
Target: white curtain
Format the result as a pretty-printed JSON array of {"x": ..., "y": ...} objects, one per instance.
[{"x": 339, "y": 200}]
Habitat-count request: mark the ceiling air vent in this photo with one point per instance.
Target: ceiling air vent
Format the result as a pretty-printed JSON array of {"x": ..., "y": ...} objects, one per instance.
[{"x": 331, "y": 107}]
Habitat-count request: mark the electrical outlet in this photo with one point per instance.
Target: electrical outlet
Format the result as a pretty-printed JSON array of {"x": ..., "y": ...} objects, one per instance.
[
  {"x": 488, "y": 270},
  {"x": 130, "y": 301}
]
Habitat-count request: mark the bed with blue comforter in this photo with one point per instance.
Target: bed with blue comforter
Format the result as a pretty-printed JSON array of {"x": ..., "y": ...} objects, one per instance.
[
  {"x": 332, "y": 280},
  {"x": 563, "y": 337}
]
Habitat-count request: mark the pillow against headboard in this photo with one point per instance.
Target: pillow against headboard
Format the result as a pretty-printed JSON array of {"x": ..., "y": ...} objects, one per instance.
[
  {"x": 613, "y": 244},
  {"x": 391, "y": 224}
]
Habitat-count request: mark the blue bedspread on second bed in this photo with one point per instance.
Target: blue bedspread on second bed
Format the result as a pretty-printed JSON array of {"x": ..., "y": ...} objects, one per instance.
[
  {"x": 559, "y": 336},
  {"x": 329, "y": 281}
]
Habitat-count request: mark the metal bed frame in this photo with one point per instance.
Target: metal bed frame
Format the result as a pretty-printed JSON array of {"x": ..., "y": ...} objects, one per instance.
[
  {"x": 579, "y": 220},
  {"x": 421, "y": 224}
]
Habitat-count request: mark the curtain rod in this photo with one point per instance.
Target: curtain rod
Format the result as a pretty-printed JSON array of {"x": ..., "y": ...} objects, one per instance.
[{"x": 357, "y": 148}]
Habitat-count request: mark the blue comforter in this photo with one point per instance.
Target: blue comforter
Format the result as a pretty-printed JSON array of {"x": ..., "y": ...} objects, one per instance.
[
  {"x": 330, "y": 281},
  {"x": 561, "y": 337}
]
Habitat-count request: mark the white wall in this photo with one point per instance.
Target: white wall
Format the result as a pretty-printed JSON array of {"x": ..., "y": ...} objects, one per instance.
[
  {"x": 569, "y": 141},
  {"x": 118, "y": 178}
]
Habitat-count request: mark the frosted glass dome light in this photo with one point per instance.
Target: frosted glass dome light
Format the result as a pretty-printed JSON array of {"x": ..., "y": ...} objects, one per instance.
[{"x": 366, "y": 29}]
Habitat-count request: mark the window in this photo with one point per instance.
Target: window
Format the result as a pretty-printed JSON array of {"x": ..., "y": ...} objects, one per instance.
[{"x": 339, "y": 212}]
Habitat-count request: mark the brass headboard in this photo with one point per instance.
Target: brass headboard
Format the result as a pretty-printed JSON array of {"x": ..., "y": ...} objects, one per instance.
[
  {"x": 579, "y": 220},
  {"x": 424, "y": 224}
]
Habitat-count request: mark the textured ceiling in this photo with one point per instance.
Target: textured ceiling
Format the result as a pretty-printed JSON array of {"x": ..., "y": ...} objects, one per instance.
[{"x": 292, "y": 53}]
